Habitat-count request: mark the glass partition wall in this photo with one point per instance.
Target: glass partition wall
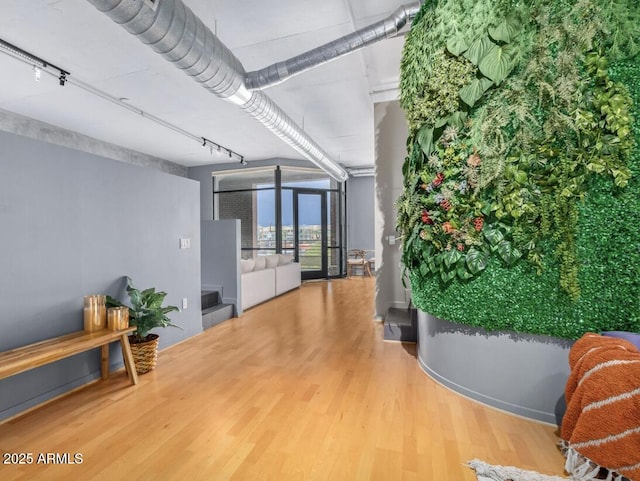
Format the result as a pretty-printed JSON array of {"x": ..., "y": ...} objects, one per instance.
[{"x": 286, "y": 210}]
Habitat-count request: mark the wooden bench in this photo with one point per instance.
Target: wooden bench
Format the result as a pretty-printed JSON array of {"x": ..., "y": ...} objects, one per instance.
[{"x": 44, "y": 352}]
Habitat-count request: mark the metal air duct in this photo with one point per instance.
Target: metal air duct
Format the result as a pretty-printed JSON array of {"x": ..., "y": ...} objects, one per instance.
[
  {"x": 281, "y": 71},
  {"x": 171, "y": 29},
  {"x": 361, "y": 171}
]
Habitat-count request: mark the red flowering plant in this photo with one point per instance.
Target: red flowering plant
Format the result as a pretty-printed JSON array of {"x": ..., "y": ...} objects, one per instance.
[{"x": 444, "y": 216}]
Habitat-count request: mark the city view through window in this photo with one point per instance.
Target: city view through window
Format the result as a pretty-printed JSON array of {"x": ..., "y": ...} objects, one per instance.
[
  {"x": 309, "y": 222},
  {"x": 310, "y": 203}
]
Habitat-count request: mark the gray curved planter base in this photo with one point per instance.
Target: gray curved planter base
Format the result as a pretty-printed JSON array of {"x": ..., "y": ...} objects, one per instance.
[{"x": 519, "y": 373}]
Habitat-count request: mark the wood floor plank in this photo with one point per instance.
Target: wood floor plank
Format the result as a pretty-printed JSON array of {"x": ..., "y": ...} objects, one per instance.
[{"x": 300, "y": 388}]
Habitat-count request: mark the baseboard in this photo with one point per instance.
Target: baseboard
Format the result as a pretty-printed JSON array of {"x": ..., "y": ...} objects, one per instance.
[
  {"x": 212, "y": 287},
  {"x": 234, "y": 301},
  {"x": 43, "y": 399},
  {"x": 502, "y": 406}
]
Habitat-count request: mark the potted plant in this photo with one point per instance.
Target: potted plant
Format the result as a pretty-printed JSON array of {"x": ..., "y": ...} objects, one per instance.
[{"x": 145, "y": 313}]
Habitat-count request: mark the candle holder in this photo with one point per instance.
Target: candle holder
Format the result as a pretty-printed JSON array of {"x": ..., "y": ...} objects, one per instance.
[
  {"x": 95, "y": 313},
  {"x": 118, "y": 318}
]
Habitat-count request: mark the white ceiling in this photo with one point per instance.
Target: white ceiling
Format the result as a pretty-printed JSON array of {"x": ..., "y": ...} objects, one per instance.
[{"x": 334, "y": 102}]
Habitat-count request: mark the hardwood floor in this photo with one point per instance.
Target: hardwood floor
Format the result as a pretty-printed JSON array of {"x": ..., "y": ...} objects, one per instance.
[{"x": 300, "y": 388}]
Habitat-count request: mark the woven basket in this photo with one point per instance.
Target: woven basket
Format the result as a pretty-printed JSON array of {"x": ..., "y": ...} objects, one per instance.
[{"x": 145, "y": 354}]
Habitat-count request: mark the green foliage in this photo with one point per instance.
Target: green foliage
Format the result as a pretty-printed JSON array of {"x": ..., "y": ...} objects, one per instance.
[
  {"x": 444, "y": 220},
  {"x": 425, "y": 139},
  {"x": 622, "y": 20},
  {"x": 473, "y": 92},
  {"x": 605, "y": 127},
  {"x": 457, "y": 45},
  {"x": 438, "y": 97},
  {"x": 497, "y": 63},
  {"x": 479, "y": 49},
  {"x": 455, "y": 21},
  {"x": 601, "y": 144},
  {"x": 505, "y": 31},
  {"x": 146, "y": 311},
  {"x": 552, "y": 128}
]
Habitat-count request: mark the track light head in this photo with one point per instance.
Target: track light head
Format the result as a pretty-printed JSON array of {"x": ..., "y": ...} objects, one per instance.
[{"x": 215, "y": 147}]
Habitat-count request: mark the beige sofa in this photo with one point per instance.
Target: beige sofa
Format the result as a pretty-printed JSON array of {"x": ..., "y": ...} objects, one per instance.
[{"x": 265, "y": 277}]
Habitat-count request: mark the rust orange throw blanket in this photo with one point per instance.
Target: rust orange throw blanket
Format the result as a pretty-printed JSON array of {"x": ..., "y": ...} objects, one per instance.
[{"x": 602, "y": 421}]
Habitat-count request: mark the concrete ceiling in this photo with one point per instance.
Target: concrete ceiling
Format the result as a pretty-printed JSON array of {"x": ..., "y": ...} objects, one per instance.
[{"x": 334, "y": 102}]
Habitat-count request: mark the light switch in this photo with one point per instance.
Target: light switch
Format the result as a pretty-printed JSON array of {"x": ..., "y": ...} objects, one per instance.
[
  {"x": 185, "y": 243},
  {"x": 184, "y": 303}
]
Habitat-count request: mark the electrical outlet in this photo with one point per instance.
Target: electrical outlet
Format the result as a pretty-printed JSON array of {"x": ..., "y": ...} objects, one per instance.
[{"x": 184, "y": 303}]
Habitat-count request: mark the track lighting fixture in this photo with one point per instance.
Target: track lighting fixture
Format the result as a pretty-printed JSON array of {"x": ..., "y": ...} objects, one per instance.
[
  {"x": 38, "y": 63},
  {"x": 216, "y": 148}
]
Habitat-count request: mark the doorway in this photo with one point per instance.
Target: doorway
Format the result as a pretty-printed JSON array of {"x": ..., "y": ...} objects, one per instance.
[
  {"x": 310, "y": 232},
  {"x": 263, "y": 199}
]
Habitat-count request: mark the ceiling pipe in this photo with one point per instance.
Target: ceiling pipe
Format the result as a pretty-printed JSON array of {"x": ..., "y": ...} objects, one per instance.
[
  {"x": 171, "y": 29},
  {"x": 281, "y": 71},
  {"x": 361, "y": 171}
]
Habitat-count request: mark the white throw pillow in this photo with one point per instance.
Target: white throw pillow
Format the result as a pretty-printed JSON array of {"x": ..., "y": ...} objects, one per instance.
[
  {"x": 246, "y": 265},
  {"x": 284, "y": 259},
  {"x": 260, "y": 263},
  {"x": 272, "y": 261}
]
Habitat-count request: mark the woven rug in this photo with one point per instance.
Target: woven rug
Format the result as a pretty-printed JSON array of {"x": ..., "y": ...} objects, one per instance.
[
  {"x": 581, "y": 469},
  {"x": 487, "y": 472}
]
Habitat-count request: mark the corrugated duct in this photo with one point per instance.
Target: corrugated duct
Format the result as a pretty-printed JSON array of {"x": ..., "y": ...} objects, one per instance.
[
  {"x": 171, "y": 29},
  {"x": 281, "y": 71}
]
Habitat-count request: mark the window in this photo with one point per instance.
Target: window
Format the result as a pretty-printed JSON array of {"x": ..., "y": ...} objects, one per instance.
[{"x": 263, "y": 200}]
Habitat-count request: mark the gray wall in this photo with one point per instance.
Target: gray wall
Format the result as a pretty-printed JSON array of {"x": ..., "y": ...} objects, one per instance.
[
  {"x": 73, "y": 224},
  {"x": 391, "y": 137},
  {"x": 360, "y": 213},
  {"x": 221, "y": 259},
  {"x": 519, "y": 373},
  {"x": 203, "y": 176}
]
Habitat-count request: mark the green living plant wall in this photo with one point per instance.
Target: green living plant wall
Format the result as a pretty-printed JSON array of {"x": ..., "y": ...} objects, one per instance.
[{"x": 521, "y": 202}]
